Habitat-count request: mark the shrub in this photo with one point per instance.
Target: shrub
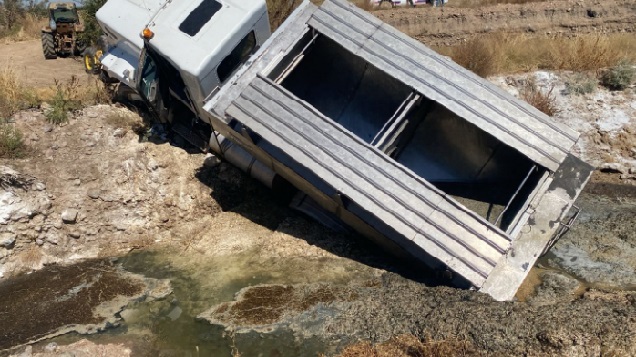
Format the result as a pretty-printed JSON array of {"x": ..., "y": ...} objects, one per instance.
[
  {"x": 92, "y": 31},
  {"x": 619, "y": 77},
  {"x": 65, "y": 99},
  {"x": 581, "y": 84},
  {"x": 478, "y": 55},
  {"x": 11, "y": 141},
  {"x": 544, "y": 101}
]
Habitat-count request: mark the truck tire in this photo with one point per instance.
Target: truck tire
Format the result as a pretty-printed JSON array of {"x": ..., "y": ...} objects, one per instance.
[
  {"x": 91, "y": 64},
  {"x": 80, "y": 48},
  {"x": 48, "y": 45}
]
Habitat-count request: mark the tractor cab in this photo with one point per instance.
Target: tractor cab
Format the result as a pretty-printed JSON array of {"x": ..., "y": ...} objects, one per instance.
[{"x": 63, "y": 13}]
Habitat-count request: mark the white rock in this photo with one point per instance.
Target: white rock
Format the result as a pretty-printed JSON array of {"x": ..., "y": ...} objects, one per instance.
[
  {"x": 51, "y": 347},
  {"x": 69, "y": 215},
  {"x": 613, "y": 167},
  {"x": 211, "y": 160},
  {"x": 40, "y": 186},
  {"x": 119, "y": 133},
  {"x": 7, "y": 240},
  {"x": 93, "y": 193},
  {"x": 152, "y": 165}
]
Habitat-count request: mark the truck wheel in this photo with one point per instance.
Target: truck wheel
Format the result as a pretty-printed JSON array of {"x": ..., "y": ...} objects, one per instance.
[
  {"x": 80, "y": 48},
  {"x": 91, "y": 60},
  {"x": 48, "y": 45}
]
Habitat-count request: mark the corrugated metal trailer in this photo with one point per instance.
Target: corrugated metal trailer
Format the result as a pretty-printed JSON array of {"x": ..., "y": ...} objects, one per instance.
[{"x": 404, "y": 145}]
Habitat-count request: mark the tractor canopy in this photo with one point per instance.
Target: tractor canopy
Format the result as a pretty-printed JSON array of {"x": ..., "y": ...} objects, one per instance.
[{"x": 63, "y": 12}]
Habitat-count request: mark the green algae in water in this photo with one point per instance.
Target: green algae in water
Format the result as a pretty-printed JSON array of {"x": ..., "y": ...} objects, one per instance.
[{"x": 172, "y": 322}]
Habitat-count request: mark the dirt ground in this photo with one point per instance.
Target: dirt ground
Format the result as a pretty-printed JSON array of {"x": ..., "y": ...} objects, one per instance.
[{"x": 27, "y": 60}]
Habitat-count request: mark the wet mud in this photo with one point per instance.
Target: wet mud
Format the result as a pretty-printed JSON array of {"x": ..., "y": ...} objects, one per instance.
[{"x": 38, "y": 304}]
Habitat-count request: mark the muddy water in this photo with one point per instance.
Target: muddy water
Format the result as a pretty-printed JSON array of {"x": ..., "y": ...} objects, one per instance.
[
  {"x": 598, "y": 252},
  {"x": 600, "y": 249},
  {"x": 199, "y": 283}
]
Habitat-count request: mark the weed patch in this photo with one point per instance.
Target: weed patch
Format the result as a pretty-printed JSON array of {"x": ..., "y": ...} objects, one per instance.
[
  {"x": 64, "y": 100},
  {"x": 619, "y": 77},
  {"x": 11, "y": 142},
  {"x": 70, "y": 96},
  {"x": 580, "y": 84},
  {"x": 544, "y": 101}
]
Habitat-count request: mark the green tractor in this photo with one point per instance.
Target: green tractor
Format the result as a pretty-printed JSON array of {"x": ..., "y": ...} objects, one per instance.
[{"x": 60, "y": 37}]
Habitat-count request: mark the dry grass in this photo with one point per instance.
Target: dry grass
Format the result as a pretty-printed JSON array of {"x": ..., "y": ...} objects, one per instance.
[
  {"x": 279, "y": 10},
  {"x": 28, "y": 28},
  {"x": 480, "y": 3},
  {"x": 544, "y": 101},
  {"x": 512, "y": 53},
  {"x": 125, "y": 119},
  {"x": 411, "y": 346},
  {"x": 14, "y": 96},
  {"x": 363, "y": 4}
]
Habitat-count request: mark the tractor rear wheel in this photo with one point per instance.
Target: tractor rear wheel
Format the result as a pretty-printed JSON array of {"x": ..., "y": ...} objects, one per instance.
[{"x": 48, "y": 45}]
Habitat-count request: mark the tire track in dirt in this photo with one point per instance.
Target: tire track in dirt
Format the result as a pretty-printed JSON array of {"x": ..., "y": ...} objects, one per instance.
[{"x": 449, "y": 26}]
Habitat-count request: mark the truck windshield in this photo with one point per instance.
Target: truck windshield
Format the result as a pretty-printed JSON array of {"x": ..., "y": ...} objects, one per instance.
[{"x": 149, "y": 79}]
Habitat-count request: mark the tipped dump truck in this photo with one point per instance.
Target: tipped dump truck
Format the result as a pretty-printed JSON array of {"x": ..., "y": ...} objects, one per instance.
[{"x": 373, "y": 129}]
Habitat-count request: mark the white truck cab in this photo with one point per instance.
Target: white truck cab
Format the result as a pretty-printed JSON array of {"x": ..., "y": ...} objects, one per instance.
[
  {"x": 190, "y": 47},
  {"x": 121, "y": 21},
  {"x": 206, "y": 40}
]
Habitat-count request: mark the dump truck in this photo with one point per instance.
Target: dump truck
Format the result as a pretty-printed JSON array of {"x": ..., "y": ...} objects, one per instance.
[
  {"x": 372, "y": 129},
  {"x": 61, "y": 35}
]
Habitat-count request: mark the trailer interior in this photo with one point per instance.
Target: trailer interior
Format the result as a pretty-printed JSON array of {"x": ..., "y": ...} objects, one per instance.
[{"x": 458, "y": 158}]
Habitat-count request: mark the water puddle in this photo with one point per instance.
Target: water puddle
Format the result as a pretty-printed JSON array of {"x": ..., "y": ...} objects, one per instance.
[{"x": 169, "y": 327}]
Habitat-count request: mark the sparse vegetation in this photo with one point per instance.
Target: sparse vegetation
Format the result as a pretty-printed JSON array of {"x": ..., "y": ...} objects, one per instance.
[
  {"x": 544, "y": 101},
  {"x": 64, "y": 100},
  {"x": 14, "y": 96},
  {"x": 481, "y": 56},
  {"x": 127, "y": 120},
  {"x": 504, "y": 53},
  {"x": 21, "y": 20},
  {"x": 411, "y": 346},
  {"x": 92, "y": 31},
  {"x": 581, "y": 83},
  {"x": 619, "y": 77},
  {"x": 71, "y": 95},
  {"x": 279, "y": 10},
  {"x": 11, "y": 141}
]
